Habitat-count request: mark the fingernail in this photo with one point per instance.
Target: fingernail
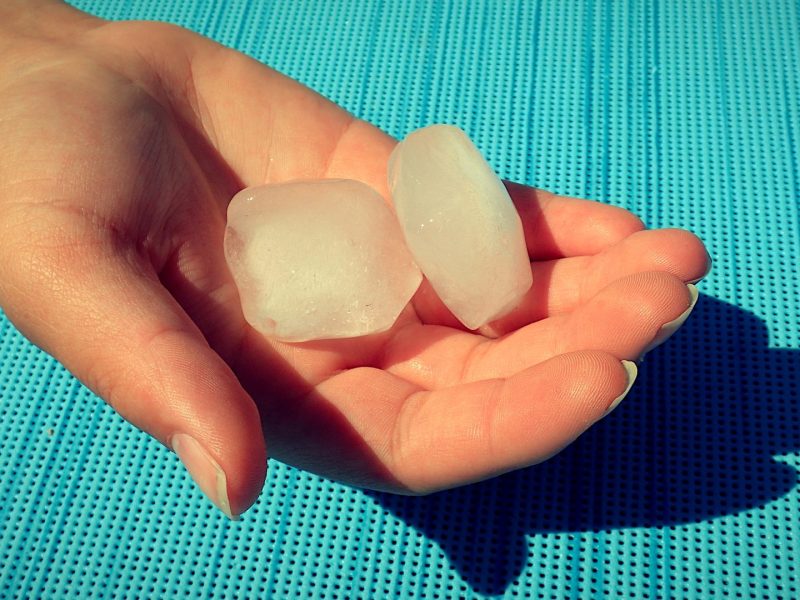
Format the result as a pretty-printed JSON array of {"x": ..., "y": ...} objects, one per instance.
[
  {"x": 205, "y": 471},
  {"x": 668, "y": 329},
  {"x": 632, "y": 371}
]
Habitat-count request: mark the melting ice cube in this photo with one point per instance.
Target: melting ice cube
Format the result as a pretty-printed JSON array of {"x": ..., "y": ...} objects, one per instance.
[
  {"x": 318, "y": 259},
  {"x": 459, "y": 223}
]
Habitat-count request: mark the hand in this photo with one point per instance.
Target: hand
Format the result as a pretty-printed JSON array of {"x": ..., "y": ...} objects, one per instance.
[{"x": 122, "y": 144}]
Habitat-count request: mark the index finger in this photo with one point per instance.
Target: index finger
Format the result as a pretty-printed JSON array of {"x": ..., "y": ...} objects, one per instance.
[{"x": 558, "y": 226}]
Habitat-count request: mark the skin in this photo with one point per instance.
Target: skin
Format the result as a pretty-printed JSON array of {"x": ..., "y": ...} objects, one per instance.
[{"x": 121, "y": 145}]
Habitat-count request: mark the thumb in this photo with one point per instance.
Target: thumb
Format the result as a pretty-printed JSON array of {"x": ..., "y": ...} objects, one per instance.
[{"x": 104, "y": 314}]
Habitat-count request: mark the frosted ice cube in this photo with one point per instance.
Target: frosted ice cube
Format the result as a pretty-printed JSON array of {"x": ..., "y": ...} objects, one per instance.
[
  {"x": 459, "y": 223},
  {"x": 318, "y": 260}
]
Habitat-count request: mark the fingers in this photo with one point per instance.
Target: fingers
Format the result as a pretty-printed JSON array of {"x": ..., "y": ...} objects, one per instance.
[
  {"x": 557, "y": 226},
  {"x": 561, "y": 285},
  {"x": 624, "y": 319},
  {"x": 588, "y": 234},
  {"x": 106, "y": 318},
  {"x": 369, "y": 428},
  {"x": 478, "y": 430}
]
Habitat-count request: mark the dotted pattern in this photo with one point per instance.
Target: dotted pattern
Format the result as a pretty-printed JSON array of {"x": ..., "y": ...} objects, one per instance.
[{"x": 684, "y": 112}]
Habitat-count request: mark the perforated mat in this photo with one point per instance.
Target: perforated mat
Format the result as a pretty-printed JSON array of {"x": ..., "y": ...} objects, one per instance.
[{"x": 686, "y": 113}]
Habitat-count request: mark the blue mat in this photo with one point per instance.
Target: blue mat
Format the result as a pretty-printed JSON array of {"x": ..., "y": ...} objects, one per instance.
[{"x": 686, "y": 113}]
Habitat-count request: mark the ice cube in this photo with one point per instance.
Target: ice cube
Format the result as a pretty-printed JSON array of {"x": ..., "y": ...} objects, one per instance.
[
  {"x": 459, "y": 223},
  {"x": 318, "y": 260}
]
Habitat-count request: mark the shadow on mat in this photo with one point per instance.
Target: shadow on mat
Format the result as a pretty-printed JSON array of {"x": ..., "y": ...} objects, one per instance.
[{"x": 694, "y": 440}]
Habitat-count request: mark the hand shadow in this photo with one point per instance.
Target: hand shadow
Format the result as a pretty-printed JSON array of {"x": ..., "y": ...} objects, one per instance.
[{"x": 693, "y": 441}]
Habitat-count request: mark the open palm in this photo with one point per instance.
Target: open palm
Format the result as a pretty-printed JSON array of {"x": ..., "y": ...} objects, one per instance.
[{"x": 123, "y": 146}]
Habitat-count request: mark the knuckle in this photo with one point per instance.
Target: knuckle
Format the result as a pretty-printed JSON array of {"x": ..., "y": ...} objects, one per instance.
[{"x": 622, "y": 225}]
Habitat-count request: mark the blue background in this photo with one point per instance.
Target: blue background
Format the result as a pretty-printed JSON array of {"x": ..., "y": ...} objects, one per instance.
[{"x": 686, "y": 113}]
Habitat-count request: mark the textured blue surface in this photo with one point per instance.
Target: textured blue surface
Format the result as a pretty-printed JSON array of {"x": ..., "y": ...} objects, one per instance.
[{"x": 686, "y": 113}]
